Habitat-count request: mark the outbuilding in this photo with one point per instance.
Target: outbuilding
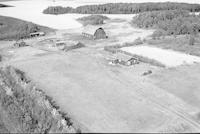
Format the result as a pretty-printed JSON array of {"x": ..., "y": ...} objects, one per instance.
[
  {"x": 124, "y": 59},
  {"x": 94, "y": 33}
]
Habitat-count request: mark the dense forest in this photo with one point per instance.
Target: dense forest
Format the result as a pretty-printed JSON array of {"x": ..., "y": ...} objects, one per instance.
[
  {"x": 170, "y": 22},
  {"x": 93, "y": 20},
  {"x": 11, "y": 28},
  {"x": 123, "y": 8}
]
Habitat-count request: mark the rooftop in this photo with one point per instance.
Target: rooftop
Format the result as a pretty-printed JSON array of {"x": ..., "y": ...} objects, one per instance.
[{"x": 89, "y": 29}]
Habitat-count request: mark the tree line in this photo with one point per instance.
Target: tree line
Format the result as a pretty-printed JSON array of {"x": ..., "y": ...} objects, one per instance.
[
  {"x": 123, "y": 8},
  {"x": 171, "y": 22}
]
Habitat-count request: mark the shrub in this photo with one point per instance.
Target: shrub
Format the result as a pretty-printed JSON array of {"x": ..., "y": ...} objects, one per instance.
[{"x": 93, "y": 20}]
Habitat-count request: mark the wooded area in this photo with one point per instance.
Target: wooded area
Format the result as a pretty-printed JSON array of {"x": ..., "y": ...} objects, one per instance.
[
  {"x": 170, "y": 22},
  {"x": 123, "y": 8}
]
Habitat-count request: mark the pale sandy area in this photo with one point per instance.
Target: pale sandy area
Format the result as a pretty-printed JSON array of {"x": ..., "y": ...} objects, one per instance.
[{"x": 167, "y": 57}]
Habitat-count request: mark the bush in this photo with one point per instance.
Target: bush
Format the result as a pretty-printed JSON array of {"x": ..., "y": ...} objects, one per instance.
[{"x": 93, "y": 20}]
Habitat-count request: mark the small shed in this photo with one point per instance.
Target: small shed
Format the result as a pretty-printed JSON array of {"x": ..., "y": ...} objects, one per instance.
[{"x": 94, "y": 32}]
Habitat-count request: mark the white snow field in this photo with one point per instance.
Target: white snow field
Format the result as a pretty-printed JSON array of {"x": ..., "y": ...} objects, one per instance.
[{"x": 169, "y": 58}]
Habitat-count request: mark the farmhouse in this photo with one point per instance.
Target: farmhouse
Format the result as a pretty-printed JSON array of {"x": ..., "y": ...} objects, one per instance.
[
  {"x": 94, "y": 33},
  {"x": 125, "y": 60}
]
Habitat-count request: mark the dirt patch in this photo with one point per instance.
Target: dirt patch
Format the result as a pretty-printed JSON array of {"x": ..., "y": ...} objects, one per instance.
[{"x": 25, "y": 108}]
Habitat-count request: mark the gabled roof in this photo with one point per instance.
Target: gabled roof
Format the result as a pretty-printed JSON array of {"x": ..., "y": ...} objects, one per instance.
[{"x": 89, "y": 29}]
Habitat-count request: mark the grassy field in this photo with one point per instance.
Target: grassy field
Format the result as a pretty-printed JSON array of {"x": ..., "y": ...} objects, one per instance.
[
  {"x": 11, "y": 28},
  {"x": 180, "y": 43}
]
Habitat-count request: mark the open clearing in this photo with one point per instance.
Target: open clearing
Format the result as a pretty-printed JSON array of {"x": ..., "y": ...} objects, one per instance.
[{"x": 167, "y": 57}]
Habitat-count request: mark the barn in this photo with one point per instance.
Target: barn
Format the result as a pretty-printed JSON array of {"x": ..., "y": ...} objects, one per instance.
[
  {"x": 100, "y": 34},
  {"x": 94, "y": 33}
]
